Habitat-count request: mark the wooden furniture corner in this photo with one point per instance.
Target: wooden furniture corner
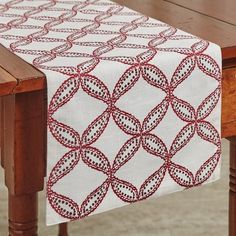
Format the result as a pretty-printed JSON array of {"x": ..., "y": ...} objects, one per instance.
[{"x": 23, "y": 107}]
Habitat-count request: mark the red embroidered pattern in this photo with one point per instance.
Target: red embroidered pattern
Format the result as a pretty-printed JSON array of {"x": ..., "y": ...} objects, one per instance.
[{"x": 92, "y": 15}]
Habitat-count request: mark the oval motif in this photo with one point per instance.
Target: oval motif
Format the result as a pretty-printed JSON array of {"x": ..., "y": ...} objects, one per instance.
[
  {"x": 64, "y": 134},
  {"x": 64, "y": 93},
  {"x": 155, "y": 116},
  {"x": 181, "y": 175},
  {"x": 95, "y": 88},
  {"x": 154, "y": 145},
  {"x": 183, "y": 71},
  {"x": 146, "y": 56},
  {"x": 183, "y": 109},
  {"x": 182, "y": 138},
  {"x": 95, "y": 159},
  {"x": 206, "y": 170},
  {"x": 122, "y": 59},
  {"x": 209, "y": 66},
  {"x": 126, "y": 82},
  {"x": 200, "y": 46},
  {"x": 154, "y": 76},
  {"x": 208, "y": 105},
  {"x": 124, "y": 190},
  {"x": 127, "y": 151},
  {"x": 126, "y": 122},
  {"x": 88, "y": 66},
  {"x": 96, "y": 128},
  {"x": 94, "y": 199},
  {"x": 208, "y": 132},
  {"x": 152, "y": 183},
  {"x": 168, "y": 32},
  {"x": 64, "y": 166},
  {"x": 63, "y": 205}
]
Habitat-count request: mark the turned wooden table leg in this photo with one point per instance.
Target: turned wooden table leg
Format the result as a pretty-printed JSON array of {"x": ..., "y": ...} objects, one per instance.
[
  {"x": 23, "y": 137},
  {"x": 232, "y": 191},
  {"x": 23, "y": 221},
  {"x": 63, "y": 229}
]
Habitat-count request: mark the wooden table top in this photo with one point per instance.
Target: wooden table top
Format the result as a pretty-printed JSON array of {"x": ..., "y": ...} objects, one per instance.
[
  {"x": 213, "y": 20},
  {"x": 218, "y": 9}
]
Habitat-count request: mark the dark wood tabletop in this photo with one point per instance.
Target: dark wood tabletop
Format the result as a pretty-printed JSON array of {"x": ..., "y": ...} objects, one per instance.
[
  {"x": 218, "y": 9},
  {"x": 213, "y": 20}
]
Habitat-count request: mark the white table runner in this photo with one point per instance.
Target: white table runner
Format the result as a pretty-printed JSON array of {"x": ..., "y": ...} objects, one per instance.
[{"x": 134, "y": 104}]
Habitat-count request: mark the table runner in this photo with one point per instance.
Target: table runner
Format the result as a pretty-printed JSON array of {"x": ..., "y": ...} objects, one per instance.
[{"x": 134, "y": 104}]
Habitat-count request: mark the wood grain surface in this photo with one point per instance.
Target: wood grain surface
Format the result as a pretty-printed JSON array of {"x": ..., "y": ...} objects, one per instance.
[
  {"x": 204, "y": 26},
  {"x": 228, "y": 119},
  {"x": 17, "y": 76},
  {"x": 218, "y": 9}
]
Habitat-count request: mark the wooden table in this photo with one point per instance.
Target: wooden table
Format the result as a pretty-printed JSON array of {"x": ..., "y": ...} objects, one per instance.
[{"x": 23, "y": 105}]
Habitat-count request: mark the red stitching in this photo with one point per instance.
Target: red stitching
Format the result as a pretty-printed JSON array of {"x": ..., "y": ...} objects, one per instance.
[{"x": 140, "y": 66}]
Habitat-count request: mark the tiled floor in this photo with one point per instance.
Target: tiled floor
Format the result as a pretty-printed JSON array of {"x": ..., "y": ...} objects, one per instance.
[{"x": 196, "y": 212}]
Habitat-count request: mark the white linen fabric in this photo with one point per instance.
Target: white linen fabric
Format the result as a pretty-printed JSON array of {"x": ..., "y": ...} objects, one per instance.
[{"x": 134, "y": 104}]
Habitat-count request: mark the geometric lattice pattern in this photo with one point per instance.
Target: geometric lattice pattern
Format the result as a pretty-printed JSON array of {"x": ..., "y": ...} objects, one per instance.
[{"x": 134, "y": 104}]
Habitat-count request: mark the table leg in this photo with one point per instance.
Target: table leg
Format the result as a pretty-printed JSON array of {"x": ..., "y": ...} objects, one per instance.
[
  {"x": 232, "y": 191},
  {"x": 23, "y": 211},
  {"x": 63, "y": 229},
  {"x": 1, "y": 131},
  {"x": 23, "y": 144}
]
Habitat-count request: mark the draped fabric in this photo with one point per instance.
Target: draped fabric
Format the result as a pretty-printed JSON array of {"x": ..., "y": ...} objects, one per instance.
[{"x": 134, "y": 104}]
